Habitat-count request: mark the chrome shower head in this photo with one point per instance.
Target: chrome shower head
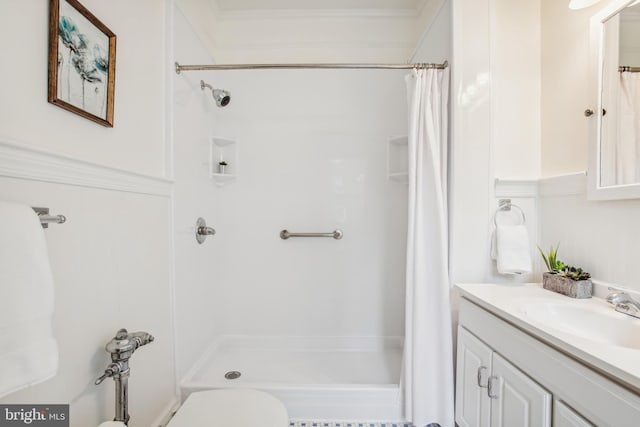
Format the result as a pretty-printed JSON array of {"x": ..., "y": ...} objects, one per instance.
[{"x": 222, "y": 97}]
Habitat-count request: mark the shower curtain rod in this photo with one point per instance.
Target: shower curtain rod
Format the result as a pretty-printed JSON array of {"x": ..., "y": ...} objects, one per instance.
[
  {"x": 624, "y": 68},
  {"x": 180, "y": 68}
]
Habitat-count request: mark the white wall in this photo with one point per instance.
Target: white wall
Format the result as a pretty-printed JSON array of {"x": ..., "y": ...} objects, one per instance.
[
  {"x": 596, "y": 235},
  {"x": 198, "y": 301},
  {"x": 435, "y": 43},
  {"x": 515, "y": 88},
  {"x": 600, "y": 237},
  {"x": 495, "y": 126},
  {"x": 111, "y": 261},
  {"x": 630, "y": 37},
  {"x": 111, "y": 268},
  {"x": 471, "y": 144},
  {"x": 310, "y": 32},
  {"x": 312, "y": 150},
  {"x": 27, "y": 117},
  {"x": 565, "y": 90}
]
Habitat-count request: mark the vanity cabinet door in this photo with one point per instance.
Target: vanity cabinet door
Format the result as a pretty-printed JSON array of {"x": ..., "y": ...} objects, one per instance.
[
  {"x": 473, "y": 371},
  {"x": 517, "y": 400},
  {"x": 563, "y": 416}
]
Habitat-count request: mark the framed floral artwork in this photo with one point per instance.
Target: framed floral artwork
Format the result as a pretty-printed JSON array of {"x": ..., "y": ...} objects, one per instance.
[{"x": 82, "y": 62}]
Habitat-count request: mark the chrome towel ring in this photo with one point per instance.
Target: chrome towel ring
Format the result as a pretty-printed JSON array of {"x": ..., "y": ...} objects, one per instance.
[{"x": 505, "y": 205}]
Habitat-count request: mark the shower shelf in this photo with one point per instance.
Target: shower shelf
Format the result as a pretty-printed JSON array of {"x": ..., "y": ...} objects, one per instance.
[
  {"x": 223, "y": 149},
  {"x": 397, "y": 159}
]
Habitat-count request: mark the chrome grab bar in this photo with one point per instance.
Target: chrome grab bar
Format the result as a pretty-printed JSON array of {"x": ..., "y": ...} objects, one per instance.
[{"x": 336, "y": 234}]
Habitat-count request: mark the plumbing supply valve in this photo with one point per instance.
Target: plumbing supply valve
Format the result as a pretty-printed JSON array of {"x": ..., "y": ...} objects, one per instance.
[
  {"x": 124, "y": 344},
  {"x": 112, "y": 369},
  {"x": 121, "y": 348}
]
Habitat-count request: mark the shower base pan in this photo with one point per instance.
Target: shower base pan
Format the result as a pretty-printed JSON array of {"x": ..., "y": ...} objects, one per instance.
[{"x": 316, "y": 378}]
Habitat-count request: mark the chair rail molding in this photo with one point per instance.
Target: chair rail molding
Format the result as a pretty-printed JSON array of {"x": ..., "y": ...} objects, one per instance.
[
  {"x": 516, "y": 187},
  {"x": 21, "y": 161},
  {"x": 563, "y": 185}
]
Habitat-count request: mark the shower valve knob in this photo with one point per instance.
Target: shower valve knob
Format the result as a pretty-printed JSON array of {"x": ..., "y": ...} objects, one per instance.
[
  {"x": 202, "y": 231},
  {"x": 206, "y": 231}
]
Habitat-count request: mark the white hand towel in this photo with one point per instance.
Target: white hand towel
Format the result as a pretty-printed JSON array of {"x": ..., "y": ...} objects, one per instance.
[
  {"x": 512, "y": 249},
  {"x": 29, "y": 352}
]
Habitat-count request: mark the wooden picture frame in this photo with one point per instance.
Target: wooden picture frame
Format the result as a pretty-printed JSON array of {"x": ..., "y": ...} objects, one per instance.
[{"x": 82, "y": 62}]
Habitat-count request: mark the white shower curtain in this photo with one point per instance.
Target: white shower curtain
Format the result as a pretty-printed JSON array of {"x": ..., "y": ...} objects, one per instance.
[
  {"x": 428, "y": 358},
  {"x": 628, "y": 143}
]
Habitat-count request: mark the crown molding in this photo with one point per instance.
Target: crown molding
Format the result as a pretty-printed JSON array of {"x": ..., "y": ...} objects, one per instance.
[
  {"x": 262, "y": 29},
  {"x": 280, "y": 15}
]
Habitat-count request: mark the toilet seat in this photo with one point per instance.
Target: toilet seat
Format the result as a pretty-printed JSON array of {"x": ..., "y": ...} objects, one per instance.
[{"x": 231, "y": 407}]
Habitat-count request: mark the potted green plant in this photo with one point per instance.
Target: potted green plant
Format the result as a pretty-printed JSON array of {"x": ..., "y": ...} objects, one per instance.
[{"x": 565, "y": 279}]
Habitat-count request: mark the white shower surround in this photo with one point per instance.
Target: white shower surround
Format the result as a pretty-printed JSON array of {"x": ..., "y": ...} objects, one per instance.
[{"x": 311, "y": 149}]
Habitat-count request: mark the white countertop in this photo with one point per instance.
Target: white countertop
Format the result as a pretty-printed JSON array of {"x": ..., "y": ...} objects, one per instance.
[{"x": 514, "y": 302}]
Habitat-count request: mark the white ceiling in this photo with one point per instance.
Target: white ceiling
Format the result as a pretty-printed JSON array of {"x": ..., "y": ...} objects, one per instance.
[{"x": 277, "y": 31}]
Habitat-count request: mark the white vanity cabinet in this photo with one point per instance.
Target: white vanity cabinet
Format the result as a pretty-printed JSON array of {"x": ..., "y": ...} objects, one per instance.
[
  {"x": 534, "y": 381},
  {"x": 491, "y": 392},
  {"x": 563, "y": 416}
]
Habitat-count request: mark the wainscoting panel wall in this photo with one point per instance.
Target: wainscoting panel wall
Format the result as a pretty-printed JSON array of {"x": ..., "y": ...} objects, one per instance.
[{"x": 112, "y": 267}]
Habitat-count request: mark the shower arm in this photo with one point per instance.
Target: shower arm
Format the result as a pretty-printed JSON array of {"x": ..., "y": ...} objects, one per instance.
[{"x": 203, "y": 85}]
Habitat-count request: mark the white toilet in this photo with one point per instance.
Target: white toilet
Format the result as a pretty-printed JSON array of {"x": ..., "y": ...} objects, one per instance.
[{"x": 231, "y": 407}]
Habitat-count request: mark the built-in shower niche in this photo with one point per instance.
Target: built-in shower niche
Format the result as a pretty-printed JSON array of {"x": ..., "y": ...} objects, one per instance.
[
  {"x": 398, "y": 159},
  {"x": 223, "y": 160}
]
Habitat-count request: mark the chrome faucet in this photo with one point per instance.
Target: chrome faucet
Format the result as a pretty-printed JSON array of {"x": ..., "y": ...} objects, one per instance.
[
  {"x": 624, "y": 303},
  {"x": 121, "y": 348}
]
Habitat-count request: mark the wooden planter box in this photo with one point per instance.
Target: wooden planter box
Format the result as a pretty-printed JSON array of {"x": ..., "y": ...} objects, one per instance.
[{"x": 565, "y": 286}]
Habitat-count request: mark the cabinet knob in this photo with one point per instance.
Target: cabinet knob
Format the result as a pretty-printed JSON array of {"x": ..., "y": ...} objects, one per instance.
[{"x": 589, "y": 112}]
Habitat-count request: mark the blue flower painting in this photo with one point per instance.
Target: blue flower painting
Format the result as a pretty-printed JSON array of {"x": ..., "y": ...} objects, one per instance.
[{"x": 83, "y": 62}]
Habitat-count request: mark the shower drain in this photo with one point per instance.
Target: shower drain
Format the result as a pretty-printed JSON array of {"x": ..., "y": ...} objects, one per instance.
[{"x": 232, "y": 375}]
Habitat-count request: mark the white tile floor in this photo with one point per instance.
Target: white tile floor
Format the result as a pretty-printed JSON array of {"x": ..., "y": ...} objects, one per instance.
[{"x": 299, "y": 423}]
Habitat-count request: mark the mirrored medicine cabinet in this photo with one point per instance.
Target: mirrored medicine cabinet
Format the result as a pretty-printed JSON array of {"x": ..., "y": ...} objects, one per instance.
[{"x": 614, "y": 133}]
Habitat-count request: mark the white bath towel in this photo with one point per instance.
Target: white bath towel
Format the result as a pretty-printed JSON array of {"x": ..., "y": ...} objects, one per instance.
[
  {"x": 29, "y": 352},
  {"x": 511, "y": 249}
]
